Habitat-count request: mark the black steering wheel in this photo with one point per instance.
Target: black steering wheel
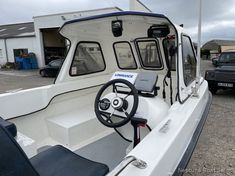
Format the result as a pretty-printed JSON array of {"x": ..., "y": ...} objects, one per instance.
[{"x": 112, "y": 109}]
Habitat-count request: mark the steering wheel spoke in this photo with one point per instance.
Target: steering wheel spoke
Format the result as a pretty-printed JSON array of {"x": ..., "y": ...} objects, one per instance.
[
  {"x": 118, "y": 116},
  {"x": 126, "y": 113},
  {"x": 115, "y": 90},
  {"x": 107, "y": 116},
  {"x": 130, "y": 93}
]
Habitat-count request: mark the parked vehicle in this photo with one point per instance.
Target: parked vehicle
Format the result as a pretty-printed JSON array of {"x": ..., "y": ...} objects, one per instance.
[
  {"x": 52, "y": 69},
  {"x": 223, "y": 77},
  {"x": 116, "y": 101}
]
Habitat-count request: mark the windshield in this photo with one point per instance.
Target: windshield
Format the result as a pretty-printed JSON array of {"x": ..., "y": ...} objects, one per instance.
[
  {"x": 227, "y": 57},
  {"x": 56, "y": 63}
]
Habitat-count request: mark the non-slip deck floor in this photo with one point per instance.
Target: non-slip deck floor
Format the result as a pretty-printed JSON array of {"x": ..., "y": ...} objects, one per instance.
[{"x": 109, "y": 150}]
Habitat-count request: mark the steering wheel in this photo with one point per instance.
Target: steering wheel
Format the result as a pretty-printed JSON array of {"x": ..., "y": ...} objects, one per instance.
[{"x": 112, "y": 109}]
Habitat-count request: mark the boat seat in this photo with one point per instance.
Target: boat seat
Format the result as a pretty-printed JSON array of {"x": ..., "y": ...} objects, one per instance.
[
  {"x": 9, "y": 126},
  {"x": 56, "y": 161}
]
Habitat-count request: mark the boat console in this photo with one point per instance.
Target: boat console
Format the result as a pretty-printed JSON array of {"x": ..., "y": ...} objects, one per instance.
[{"x": 119, "y": 104}]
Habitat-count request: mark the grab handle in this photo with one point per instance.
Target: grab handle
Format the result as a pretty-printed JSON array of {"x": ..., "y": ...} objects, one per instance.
[{"x": 125, "y": 162}]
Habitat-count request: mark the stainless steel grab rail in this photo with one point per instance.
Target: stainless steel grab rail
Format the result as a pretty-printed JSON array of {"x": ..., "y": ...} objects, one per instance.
[{"x": 125, "y": 162}]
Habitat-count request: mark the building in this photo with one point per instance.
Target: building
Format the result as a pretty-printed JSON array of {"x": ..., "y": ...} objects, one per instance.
[
  {"x": 213, "y": 48},
  {"x": 42, "y": 37},
  {"x": 219, "y": 45},
  {"x": 16, "y": 39}
]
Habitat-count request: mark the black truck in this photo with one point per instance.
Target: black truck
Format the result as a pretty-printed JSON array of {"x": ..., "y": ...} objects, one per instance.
[{"x": 223, "y": 76}]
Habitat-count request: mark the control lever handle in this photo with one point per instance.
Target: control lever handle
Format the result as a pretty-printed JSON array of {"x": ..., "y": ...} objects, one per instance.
[{"x": 137, "y": 122}]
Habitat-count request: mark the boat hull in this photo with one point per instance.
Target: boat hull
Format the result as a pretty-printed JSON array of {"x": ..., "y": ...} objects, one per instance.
[
  {"x": 181, "y": 168},
  {"x": 169, "y": 146}
]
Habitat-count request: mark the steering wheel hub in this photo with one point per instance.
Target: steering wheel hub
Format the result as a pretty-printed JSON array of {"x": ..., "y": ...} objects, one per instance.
[{"x": 117, "y": 103}]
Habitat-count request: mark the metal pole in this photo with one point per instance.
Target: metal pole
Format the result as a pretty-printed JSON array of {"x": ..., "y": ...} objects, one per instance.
[
  {"x": 5, "y": 45},
  {"x": 199, "y": 39},
  {"x": 198, "y": 73}
]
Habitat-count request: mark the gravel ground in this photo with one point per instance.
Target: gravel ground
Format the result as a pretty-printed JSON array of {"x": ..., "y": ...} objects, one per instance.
[
  {"x": 14, "y": 79},
  {"x": 215, "y": 152}
]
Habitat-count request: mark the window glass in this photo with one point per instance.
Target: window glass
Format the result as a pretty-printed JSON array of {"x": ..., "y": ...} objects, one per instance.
[
  {"x": 20, "y": 52},
  {"x": 56, "y": 63},
  {"x": 124, "y": 55},
  {"x": 170, "y": 51},
  {"x": 227, "y": 57},
  {"x": 88, "y": 58},
  {"x": 149, "y": 54},
  {"x": 189, "y": 61}
]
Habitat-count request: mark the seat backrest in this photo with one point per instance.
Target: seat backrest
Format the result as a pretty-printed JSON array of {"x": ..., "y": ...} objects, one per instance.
[
  {"x": 13, "y": 160},
  {"x": 9, "y": 126}
]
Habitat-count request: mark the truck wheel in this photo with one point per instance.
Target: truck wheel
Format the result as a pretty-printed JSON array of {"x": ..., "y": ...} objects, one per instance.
[
  {"x": 213, "y": 89},
  {"x": 43, "y": 73}
]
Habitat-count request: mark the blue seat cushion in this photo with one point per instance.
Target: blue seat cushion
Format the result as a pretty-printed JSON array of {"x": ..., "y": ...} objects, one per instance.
[{"x": 59, "y": 161}]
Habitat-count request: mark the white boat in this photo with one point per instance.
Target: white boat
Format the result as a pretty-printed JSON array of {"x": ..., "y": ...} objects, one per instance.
[{"x": 126, "y": 96}]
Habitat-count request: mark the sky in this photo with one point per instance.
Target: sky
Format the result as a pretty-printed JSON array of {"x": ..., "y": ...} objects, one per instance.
[{"x": 218, "y": 16}]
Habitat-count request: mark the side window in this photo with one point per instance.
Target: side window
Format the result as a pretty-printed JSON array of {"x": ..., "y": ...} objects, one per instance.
[
  {"x": 170, "y": 51},
  {"x": 189, "y": 60},
  {"x": 88, "y": 59},
  {"x": 149, "y": 54},
  {"x": 231, "y": 57},
  {"x": 223, "y": 58},
  {"x": 124, "y": 55}
]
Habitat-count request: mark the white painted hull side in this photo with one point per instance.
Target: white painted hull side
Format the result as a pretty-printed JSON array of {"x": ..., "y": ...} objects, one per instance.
[{"x": 163, "y": 151}]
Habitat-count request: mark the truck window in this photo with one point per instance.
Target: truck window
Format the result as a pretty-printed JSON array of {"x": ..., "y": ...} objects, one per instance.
[
  {"x": 227, "y": 57},
  {"x": 189, "y": 60}
]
